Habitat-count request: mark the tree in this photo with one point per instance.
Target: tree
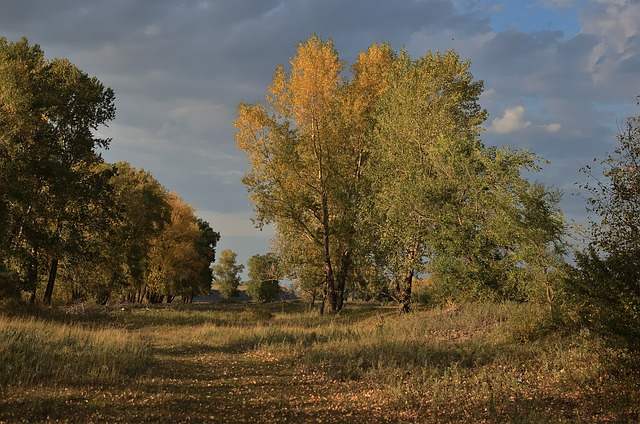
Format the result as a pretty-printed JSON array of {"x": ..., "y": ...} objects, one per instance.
[
  {"x": 439, "y": 201},
  {"x": 425, "y": 142},
  {"x": 264, "y": 276},
  {"x": 606, "y": 281},
  {"x": 226, "y": 273},
  {"x": 306, "y": 150},
  {"x": 205, "y": 245},
  {"x": 48, "y": 112},
  {"x": 143, "y": 213},
  {"x": 179, "y": 255}
]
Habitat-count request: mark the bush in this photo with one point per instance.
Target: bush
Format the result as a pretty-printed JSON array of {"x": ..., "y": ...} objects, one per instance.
[
  {"x": 606, "y": 282},
  {"x": 607, "y": 296}
]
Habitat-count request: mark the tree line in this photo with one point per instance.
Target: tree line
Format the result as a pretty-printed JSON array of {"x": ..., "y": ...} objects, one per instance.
[{"x": 103, "y": 230}]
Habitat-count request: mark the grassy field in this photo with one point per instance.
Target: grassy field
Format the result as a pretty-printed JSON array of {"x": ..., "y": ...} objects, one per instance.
[{"x": 281, "y": 363}]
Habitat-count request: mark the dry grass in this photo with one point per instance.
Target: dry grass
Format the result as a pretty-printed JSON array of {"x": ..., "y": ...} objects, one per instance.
[
  {"x": 36, "y": 352},
  {"x": 279, "y": 362}
]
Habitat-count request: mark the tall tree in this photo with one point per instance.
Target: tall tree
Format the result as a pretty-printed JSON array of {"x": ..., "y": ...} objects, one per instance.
[
  {"x": 179, "y": 255},
  {"x": 173, "y": 259},
  {"x": 306, "y": 149},
  {"x": 144, "y": 211},
  {"x": 226, "y": 273},
  {"x": 48, "y": 112},
  {"x": 425, "y": 141},
  {"x": 205, "y": 245},
  {"x": 442, "y": 203}
]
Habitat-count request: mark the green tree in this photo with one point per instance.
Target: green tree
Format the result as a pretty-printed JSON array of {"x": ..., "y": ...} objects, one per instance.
[
  {"x": 226, "y": 273},
  {"x": 144, "y": 211},
  {"x": 264, "y": 277},
  {"x": 442, "y": 203},
  {"x": 205, "y": 245},
  {"x": 174, "y": 261},
  {"x": 181, "y": 255},
  {"x": 606, "y": 281},
  {"x": 425, "y": 141},
  {"x": 48, "y": 112}
]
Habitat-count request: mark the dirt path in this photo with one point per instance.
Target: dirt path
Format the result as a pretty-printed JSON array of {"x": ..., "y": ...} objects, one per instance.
[{"x": 202, "y": 384}]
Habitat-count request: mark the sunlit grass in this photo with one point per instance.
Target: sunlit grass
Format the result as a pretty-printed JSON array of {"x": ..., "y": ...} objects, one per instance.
[{"x": 38, "y": 352}]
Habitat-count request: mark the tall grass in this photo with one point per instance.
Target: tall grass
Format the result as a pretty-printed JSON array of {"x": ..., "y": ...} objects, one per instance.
[
  {"x": 38, "y": 352},
  {"x": 479, "y": 362}
]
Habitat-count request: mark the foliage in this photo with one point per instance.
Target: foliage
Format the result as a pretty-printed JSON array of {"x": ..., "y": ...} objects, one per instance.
[
  {"x": 181, "y": 255},
  {"x": 264, "y": 275},
  {"x": 607, "y": 279},
  {"x": 374, "y": 179},
  {"x": 226, "y": 273},
  {"x": 443, "y": 204},
  {"x": 104, "y": 230},
  {"x": 306, "y": 148},
  {"x": 48, "y": 112}
]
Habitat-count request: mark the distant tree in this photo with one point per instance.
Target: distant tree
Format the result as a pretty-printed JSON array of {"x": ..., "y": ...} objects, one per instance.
[
  {"x": 179, "y": 255},
  {"x": 607, "y": 277},
  {"x": 205, "y": 245},
  {"x": 226, "y": 273},
  {"x": 264, "y": 277}
]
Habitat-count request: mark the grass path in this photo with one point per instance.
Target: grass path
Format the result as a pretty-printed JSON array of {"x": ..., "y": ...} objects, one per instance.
[{"x": 189, "y": 383}]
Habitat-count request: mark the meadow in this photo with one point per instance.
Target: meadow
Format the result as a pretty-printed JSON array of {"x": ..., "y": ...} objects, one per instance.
[{"x": 279, "y": 362}]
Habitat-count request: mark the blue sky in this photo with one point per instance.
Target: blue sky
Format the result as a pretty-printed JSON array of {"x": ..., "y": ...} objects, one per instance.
[
  {"x": 559, "y": 76},
  {"x": 530, "y": 16}
]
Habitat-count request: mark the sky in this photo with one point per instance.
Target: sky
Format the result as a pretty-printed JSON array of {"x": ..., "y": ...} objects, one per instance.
[{"x": 560, "y": 76}]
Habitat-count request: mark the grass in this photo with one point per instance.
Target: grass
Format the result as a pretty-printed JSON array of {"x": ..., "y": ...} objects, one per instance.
[
  {"x": 280, "y": 362},
  {"x": 36, "y": 352}
]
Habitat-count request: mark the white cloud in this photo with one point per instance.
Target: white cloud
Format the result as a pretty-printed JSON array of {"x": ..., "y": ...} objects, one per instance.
[
  {"x": 511, "y": 121},
  {"x": 553, "y": 128},
  {"x": 616, "y": 24}
]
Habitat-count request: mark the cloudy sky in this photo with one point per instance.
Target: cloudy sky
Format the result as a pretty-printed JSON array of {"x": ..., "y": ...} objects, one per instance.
[{"x": 560, "y": 75}]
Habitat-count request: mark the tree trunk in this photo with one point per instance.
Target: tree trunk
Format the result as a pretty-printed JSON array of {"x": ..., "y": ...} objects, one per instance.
[
  {"x": 312, "y": 300},
  {"x": 404, "y": 292},
  {"x": 404, "y": 289},
  {"x": 329, "y": 292},
  {"x": 53, "y": 272},
  {"x": 345, "y": 264},
  {"x": 33, "y": 276}
]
